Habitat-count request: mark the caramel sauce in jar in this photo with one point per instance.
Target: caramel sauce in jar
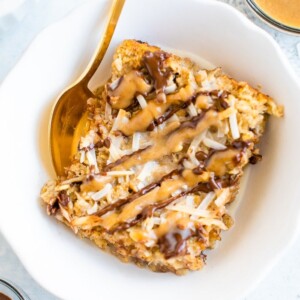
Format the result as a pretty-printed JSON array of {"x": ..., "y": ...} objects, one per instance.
[
  {"x": 4, "y": 297},
  {"x": 286, "y": 12}
]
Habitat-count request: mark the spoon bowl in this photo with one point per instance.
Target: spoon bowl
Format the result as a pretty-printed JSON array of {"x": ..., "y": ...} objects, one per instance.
[{"x": 69, "y": 118}]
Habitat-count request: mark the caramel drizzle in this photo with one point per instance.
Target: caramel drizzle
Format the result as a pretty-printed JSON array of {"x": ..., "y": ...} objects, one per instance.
[
  {"x": 148, "y": 211},
  {"x": 143, "y": 204},
  {"x": 128, "y": 86},
  {"x": 155, "y": 110},
  {"x": 156, "y": 113},
  {"x": 136, "y": 195},
  {"x": 184, "y": 133}
]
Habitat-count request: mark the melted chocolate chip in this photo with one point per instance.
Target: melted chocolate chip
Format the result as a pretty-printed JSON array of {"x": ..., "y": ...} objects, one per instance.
[
  {"x": 107, "y": 142},
  {"x": 154, "y": 64},
  {"x": 52, "y": 208},
  {"x": 151, "y": 126},
  {"x": 200, "y": 155},
  {"x": 219, "y": 98},
  {"x": 99, "y": 144},
  {"x": 215, "y": 184},
  {"x": 240, "y": 145},
  {"x": 199, "y": 170},
  {"x": 255, "y": 158},
  {"x": 174, "y": 243},
  {"x": 63, "y": 198}
]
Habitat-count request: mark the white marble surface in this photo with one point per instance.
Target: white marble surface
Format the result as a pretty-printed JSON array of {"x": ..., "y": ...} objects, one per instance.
[{"x": 283, "y": 282}]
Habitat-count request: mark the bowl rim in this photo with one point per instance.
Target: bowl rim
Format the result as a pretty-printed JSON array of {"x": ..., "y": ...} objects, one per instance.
[
  {"x": 271, "y": 21},
  {"x": 247, "y": 23}
]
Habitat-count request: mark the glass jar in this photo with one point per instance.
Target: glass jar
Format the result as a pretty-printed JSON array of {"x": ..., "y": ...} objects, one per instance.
[
  {"x": 11, "y": 291},
  {"x": 271, "y": 18}
]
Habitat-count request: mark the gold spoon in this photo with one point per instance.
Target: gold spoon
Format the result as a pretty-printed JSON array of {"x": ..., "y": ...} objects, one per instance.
[{"x": 68, "y": 119}]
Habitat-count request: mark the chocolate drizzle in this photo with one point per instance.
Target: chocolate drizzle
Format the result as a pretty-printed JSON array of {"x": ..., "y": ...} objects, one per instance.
[
  {"x": 154, "y": 64},
  {"x": 192, "y": 123},
  {"x": 174, "y": 243},
  {"x": 168, "y": 114},
  {"x": 255, "y": 158},
  {"x": 122, "y": 159},
  {"x": 218, "y": 97},
  {"x": 148, "y": 211},
  {"x": 136, "y": 195}
]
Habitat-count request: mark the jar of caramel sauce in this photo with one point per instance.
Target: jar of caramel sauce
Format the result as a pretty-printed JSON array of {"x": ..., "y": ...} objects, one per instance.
[
  {"x": 283, "y": 14},
  {"x": 9, "y": 291}
]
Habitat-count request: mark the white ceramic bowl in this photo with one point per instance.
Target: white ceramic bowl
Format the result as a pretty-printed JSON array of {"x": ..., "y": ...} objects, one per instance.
[{"x": 267, "y": 218}]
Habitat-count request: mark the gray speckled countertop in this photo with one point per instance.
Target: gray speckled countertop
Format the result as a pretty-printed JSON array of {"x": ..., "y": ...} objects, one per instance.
[{"x": 283, "y": 282}]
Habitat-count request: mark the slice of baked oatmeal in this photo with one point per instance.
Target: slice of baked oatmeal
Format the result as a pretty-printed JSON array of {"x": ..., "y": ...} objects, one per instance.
[{"x": 163, "y": 157}]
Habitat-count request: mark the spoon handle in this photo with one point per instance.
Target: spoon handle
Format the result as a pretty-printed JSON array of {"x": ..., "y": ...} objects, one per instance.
[{"x": 105, "y": 40}]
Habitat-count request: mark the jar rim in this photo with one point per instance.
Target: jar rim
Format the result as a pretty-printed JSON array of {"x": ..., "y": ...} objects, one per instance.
[
  {"x": 6, "y": 284},
  {"x": 270, "y": 20}
]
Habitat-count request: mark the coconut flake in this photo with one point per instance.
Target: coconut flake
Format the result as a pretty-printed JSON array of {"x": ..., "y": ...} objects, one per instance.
[
  {"x": 180, "y": 200},
  {"x": 92, "y": 160},
  {"x": 213, "y": 144},
  {"x": 210, "y": 222},
  {"x": 114, "y": 153},
  {"x": 234, "y": 126},
  {"x": 223, "y": 198},
  {"x": 192, "y": 110},
  {"x": 114, "y": 84},
  {"x": 82, "y": 156},
  {"x": 140, "y": 186},
  {"x": 233, "y": 122},
  {"x": 107, "y": 111},
  {"x": 174, "y": 118},
  {"x": 75, "y": 179},
  {"x": 146, "y": 170},
  {"x": 207, "y": 200},
  {"x": 220, "y": 133},
  {"x": 190, "y": 201},
  {"x": 62, "y": 187},
  {"x": 193, "y": 147},
  {"x": 142, "y": 101},
  {"x": 87, "y": 140},
  {"x": 191, "y": 211},
  {"x": 209, "y": 85},
  {"x": 121, "y": 117},
  {"x": 91, "y": 210},
  {"x": 116, "y": 141},
  {"x": 176, "y": 193},
  {"x": 65, "y": 213},
  {"x": 102, "y": 193},
  {"x": 121, "y": 180},
  {"x": 189, "y": 165},
  {"x": 119, "y": 173},
  {"x": 170, "y": 89},
  {"x": 148, "y": 224},
  {"x": 136, "y": 141}
]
